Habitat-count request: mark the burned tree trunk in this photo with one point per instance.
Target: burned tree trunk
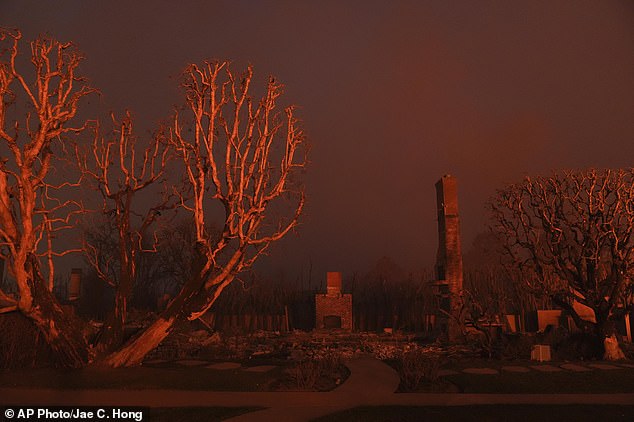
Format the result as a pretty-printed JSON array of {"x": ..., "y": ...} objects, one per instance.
[
  {"x": 62, "y": 332},
  {"x": 135, "y": 171},
  {"x": 135, "y": 350},
  {"x": 61, "y": 329},
  {"x": 31, "y": 206},
  {"x": 243, "y": 155},
  {"x": 113, "y": 330}
]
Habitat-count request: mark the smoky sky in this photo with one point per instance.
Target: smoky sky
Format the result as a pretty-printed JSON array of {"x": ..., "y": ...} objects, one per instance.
[{"x": 392, "y": 95}]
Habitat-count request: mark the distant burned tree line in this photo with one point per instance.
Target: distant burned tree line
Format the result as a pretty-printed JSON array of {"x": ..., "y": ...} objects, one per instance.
[
  {"x": 239, "y": 161},
  {"x": 387, "y": 296}
]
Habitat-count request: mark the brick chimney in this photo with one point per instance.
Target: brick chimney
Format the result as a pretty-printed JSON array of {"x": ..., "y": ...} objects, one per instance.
[
  {"x": 333, "y": 284},
  {"x": 449, "y": 256},
  {"x": 333, "y": 310}
]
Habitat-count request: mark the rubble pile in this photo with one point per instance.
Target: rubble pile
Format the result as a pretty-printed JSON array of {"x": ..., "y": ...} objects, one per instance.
[{"x": 295, "y": 346}]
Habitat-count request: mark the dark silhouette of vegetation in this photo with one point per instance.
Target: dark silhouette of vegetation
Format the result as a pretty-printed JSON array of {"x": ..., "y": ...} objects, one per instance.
[{"x": 570, "y": 236}]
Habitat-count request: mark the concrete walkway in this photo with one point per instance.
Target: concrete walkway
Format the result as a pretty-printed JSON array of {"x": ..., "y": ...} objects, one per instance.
[{"x": 371, "y": 383}]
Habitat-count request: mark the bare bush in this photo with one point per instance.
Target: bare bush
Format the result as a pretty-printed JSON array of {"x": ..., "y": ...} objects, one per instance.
[
  {"x": 418, "y": 365},
  {"x": 307, "y": 374}
]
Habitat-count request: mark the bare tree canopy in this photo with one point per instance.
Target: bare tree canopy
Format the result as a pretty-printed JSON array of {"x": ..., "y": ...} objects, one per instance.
[
  {"x": 37, "y": 107},
  {"x": 240, "y": 159},
  {"x": 120, "y": 169},
  {"x": 571, "y": 236}
]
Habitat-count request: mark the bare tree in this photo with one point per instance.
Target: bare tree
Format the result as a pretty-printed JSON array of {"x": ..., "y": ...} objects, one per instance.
[
  {"x": 121, "y": 172},
  {"x": 31, "y": 211},
  {"x": 571, "y": 236},
  {"x": 490, "y": 277},
  {"x": 240, "y": 158}
]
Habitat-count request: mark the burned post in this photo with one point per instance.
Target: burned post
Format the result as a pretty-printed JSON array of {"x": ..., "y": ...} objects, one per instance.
[{"x": 449, "y": 257}]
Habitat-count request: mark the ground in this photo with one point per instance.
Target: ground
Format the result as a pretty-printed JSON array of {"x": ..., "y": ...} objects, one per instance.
[
  {"x": 265, "y": 370},
  {"x": 489, "y": 413}
]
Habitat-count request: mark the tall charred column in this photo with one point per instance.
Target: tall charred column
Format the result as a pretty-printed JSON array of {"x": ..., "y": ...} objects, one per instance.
[{"x": 449, "y": 257}]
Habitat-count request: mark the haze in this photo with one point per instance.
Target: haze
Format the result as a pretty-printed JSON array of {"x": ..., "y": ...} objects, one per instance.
[{"x": 392, "y": 94}]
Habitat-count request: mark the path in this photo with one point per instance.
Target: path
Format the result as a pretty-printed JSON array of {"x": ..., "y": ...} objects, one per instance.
[{"x": 371, "y": 383}]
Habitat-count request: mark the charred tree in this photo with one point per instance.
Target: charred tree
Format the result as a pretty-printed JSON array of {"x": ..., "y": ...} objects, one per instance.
[
  {"x": 241, "y": 159},
  {"x": 120, "y": 171},
  {"x": 571, "y": 236},
  {"x": 37, "y": 109}
]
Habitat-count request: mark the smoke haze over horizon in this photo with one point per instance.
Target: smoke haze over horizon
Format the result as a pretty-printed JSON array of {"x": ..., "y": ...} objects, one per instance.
[{"x": 392, "y": 96}]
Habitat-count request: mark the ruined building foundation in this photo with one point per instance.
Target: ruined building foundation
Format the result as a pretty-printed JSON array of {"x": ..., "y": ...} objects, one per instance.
[
  {"x": 333, "y": 309},
  {"x": 449, "y": 257}
]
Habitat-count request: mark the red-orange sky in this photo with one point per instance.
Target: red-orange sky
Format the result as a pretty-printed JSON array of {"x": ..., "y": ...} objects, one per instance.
[{"x": 393, "y": 95}]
